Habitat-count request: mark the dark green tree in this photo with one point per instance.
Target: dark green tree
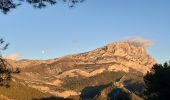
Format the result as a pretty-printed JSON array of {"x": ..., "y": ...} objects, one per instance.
[
  {"x": 158, "y": 82},
  {"x": 5, "y": 73},
  {"x": 7, "y": 5}
]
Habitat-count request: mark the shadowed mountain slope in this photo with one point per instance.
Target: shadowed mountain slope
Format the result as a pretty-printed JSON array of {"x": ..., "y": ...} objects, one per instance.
[{"x": 69, "y": 75}]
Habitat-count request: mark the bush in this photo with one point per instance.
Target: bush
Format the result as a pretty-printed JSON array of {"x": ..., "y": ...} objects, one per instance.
[{"x": 5, "y": 73}]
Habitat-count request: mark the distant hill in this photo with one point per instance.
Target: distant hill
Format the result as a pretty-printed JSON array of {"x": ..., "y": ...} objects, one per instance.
[{"x": 71, "y": 75}]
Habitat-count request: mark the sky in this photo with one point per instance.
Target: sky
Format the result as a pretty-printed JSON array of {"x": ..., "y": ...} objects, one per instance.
[{"x": 59, "y": 30}]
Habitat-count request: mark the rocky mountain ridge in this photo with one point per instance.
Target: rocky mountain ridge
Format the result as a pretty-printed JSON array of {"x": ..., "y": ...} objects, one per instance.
[
  {"x": 121, "y": 53},
  {"x": 66, "y": 76}
]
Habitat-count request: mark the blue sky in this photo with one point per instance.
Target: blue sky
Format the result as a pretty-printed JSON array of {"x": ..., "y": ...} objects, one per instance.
[{"x": 59, "y": 30}]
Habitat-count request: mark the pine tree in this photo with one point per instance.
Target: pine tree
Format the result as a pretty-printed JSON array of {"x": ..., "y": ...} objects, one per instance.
[
  {"x": 7, "y": 5},
  {"x": 158, "y": 82}
]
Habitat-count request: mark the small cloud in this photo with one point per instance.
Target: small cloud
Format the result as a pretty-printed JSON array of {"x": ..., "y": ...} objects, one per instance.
[
  {"x": 140, "y": 42},
  {"x": 13, "y": 56}
]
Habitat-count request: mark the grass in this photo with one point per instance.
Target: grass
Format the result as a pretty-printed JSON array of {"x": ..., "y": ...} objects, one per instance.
[{"x": 18, "y": 91}]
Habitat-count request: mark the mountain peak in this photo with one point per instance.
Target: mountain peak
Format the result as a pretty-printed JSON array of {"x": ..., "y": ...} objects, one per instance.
[
  {"x": 108, "y": 62},
  {"x": 116, "y": 54},
  {"x": 121, "y": 53},
  {"x": 122, "y": 48}
]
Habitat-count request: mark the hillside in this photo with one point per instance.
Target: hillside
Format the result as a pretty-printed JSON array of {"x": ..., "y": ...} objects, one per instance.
[
  {"x": 19, "y": 91},
  {"x": 71, "y": 75}
]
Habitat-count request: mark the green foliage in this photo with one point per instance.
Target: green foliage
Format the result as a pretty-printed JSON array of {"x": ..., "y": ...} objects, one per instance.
[
  {"x": 79, "y": 83},
  {"x": 7, "y": 5},
  {"x": 18, "y": 91},
  {"x": 158, "y": 82}
]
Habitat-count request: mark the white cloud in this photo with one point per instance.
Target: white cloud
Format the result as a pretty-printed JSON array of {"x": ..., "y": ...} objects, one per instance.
[
  {"x": 13, "y": 56},
  {"x": 140, "y": 42}
]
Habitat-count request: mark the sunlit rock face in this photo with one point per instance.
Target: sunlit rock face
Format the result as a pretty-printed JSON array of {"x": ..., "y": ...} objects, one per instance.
[
  {"x": 122, "y": 53},
  {"x": 59, "y": 76}
]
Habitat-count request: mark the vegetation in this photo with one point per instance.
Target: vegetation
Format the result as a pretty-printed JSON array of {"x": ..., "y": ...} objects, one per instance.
[
  {"x": 135, "y": 83},
  {"x": 7, "y": 5},
  {"x": 19, "y": 91},
  {"x": 17, "y": 70},
  {"x": 107, "y": 92},
  {"x": 5, "y": 73},
  {"x": 119, "y": 94},
  {"x": 90, "y": 92},
  {"x": 158, "y": 82},
  {"x": 79, "y": 83}
]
